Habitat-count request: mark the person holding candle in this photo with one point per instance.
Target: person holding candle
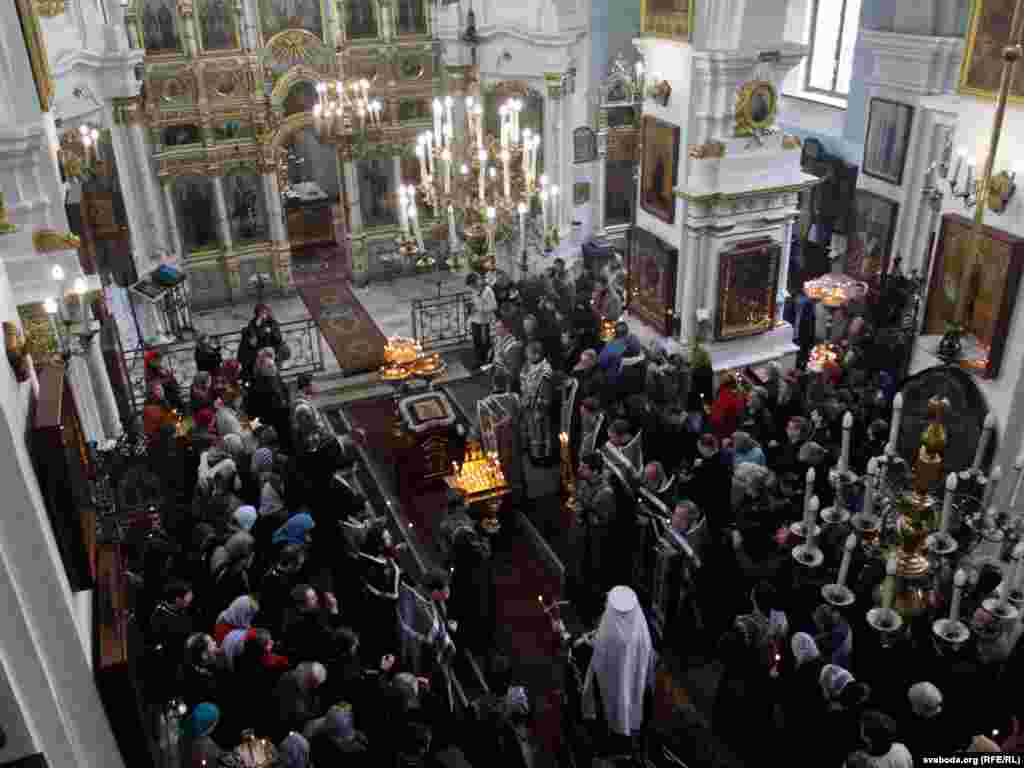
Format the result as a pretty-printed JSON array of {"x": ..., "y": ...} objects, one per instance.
[
  {"x": 595, "y": 512},
  {"x": 482, "y": 313},
  {"x": 537, "y": 394}
]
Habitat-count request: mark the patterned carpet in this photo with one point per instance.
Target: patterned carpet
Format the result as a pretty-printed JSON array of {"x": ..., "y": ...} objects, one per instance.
[{"x": 355, "y": 339}]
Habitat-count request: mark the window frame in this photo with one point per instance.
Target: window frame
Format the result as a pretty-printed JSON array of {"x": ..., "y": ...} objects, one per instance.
[{"x": 837, "y": 54}]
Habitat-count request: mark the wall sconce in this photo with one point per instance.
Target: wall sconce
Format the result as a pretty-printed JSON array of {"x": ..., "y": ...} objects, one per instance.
[
  {"x": 1002, "y": 185},
  {"x": 660, "y": 91},
  {"x": 73, "y": 334},
  {"x": 78, "y": 152}
]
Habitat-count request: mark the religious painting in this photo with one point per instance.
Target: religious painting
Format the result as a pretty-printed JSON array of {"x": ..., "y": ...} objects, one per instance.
[
  {"x": 888, "y": 138},
  {"x": 982, "y": 69},
  {"x": 584, "y": 145},
  {"x": 869, "y": 247},
  {"x": 660, "y": 167},
  {"x": 581, "y": 193},
  {"x": 748, "y": 275},
  {"x": 411, "y": 18},
  {"x": 196, "y": 212},
  {"x": 279, "y": 15},
  {"x": 671, "y": 19},
  {"x": 217, "y": 25},
  {"x": 619, "y": 192},
  {"x": 247, "y": 207},
  {"x": 377, "y": 193},
  {"x": 362, "y": 20},
  {"x": 977, "y": 289},
  {"x": 621, "y": 117},
  {"x": 232, "y": 130},
  {"x": 181, "y": 135},
  {"x": 302, "y": 97},
  {"x": 160, "y": 26},
  {"x": 651, "y": 275}
]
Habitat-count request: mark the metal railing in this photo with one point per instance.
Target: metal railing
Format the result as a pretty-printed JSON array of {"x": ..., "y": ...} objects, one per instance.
[
  {"x": 301, "y": 336},
  {"x": 442, "y": 322}
]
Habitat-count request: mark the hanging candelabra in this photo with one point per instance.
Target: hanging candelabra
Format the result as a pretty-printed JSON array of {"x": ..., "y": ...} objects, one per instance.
[
  {"x": 345, "y": 107},
  {"x": 78, "y": 152}
]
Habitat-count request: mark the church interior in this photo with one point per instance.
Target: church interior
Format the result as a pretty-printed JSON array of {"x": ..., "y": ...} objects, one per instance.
[{"x": 535, "y": 385}]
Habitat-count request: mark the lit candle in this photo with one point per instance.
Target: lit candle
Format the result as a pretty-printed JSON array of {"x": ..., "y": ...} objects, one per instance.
[
  {"x": 478, "y": 113},
  {"x": 503, "y": 126},
  {"x": 492, "y": 215},
  {"x": 1004, "y": 591},
  {"x": 517, "y": 107},
  {"x": 990, "y": 487},
  {"x": 533, "y": 156},
  {"x": 469, "y": 117},
  {"x": 430, "y": 152},
  {"x": 362, "y": 118},
  {"x": 889, "y": 588},
  {"x": 403, "y": 213},
  {"x": 810, "y": 515},
  {"x": 414, "y": 218},
  {"x": 947, "y": 504},
  {"x": 959, "y": 582},
  {"x": 449, "y": 102},
  {"x": 482, "y": 156},
  {"x": 844, "y": 454},
  {"x": 527, "y": 143},
  {"x": 897, "y": 417},
  {"x": 844, "y": 566},
  {"x": 506, "y": 158},
  {"x": 929, "y": 177},
  {"x": 446, "y": 160},
  {"x": 969, "y": 183},
  {"x": 986, "y": 436},
  {"x": 437, "y": 118},
  {"x": 809, "y": 485}
]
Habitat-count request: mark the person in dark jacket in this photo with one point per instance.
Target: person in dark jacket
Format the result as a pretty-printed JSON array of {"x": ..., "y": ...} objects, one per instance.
[
  {"x": 297, "y": 698},
  {"x": 334, "y": 739},
  {"x": 276, "y": 588},
  {"x": 309, "y": 635},
  {"x": 267, "y": 399},
  {"x": 804, "y": 332},
  {"x": 208, "y": 355},
  {"x": 202, "y": 677},
  {"x": 263, "y": 331},
  {"x": 743, "y": 709},
  {"x": 171, "y": 622}
]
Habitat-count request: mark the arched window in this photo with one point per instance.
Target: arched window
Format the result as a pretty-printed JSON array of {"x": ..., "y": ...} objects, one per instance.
[{"x": 279, "y": 15}]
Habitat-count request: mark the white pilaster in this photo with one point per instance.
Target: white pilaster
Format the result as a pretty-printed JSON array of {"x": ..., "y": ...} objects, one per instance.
[
  {"x": 156, "y": 223},
  {"x": 223, "y": 227},
  {"x": 85, "y": 398},
  {"x": 278, "y": 231},
  {"x": 172, "y": 219},
  {"x": 355, "y": 214},
  {"x": 694, "y": 251},
  {"x": 601, "y": 183},
  {"x": 106, "y": 402}
]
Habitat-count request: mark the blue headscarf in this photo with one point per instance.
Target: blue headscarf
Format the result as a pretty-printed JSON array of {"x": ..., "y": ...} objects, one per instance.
[
  {"x": 294, "y": 530},
  {"x": 295, "y": 750}
]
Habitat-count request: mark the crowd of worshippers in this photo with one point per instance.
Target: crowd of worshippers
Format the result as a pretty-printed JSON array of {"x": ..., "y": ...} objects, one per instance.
[
  {"x": 725, "y": 467},
  {"x": 273, "y": 602}
]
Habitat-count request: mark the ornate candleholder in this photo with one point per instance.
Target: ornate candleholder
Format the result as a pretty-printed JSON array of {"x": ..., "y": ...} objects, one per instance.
[
  {"x": 481, "y": 479},
  {"x": 868, "y": 529},
  {"x": 808, "y": 554},
  {"x": 799, "y": 529},
  {"x": 941, "y": 544},
  {"x": 952, "y": 634},
  {"x": 838, "y": 595},
  {"x": 255, "y": 753}
]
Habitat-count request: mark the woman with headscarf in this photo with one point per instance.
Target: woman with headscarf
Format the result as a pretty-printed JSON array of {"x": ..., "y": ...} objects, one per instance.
[
  {"x": 244, "y": 518},
  {"x": 380, "y": 577},
  {"x": 267, "y": 398},
  {"x": 835, "y": 636},
  {"x": 227, "y": 420},
  {"x": 239, "y": 615},
  {"x": 296, "y": 530},
  {"x": 156, "y": 373},
  {"x": 727, "y": 409},
  {"x": 229, "y": 571},
  {"x": 802, "y": 694},
  {"x": 334, "y": 739},
  {"x": 263, "y": 331},
  {"x": 621, "y": 670},
  {"x": 202, "y": 676},
  {"x": 746, "y": 451},
  {"x": 200, "y": 748},
  {"x": 294, "y": 751},
  {"x": 743, "y": 709},
  {"x": 157, "y": 412}
]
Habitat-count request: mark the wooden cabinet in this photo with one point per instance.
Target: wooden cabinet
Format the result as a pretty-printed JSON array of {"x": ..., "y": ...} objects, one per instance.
[{"x": 61, "y": 459}]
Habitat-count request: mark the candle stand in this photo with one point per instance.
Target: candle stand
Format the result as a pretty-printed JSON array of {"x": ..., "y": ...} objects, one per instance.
[
  {"x": 838, "y": 595},
  {"x": 887, "y": 623}
]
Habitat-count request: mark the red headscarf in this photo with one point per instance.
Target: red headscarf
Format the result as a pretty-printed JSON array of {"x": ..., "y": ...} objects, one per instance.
[{"x": 204, "y": 418}]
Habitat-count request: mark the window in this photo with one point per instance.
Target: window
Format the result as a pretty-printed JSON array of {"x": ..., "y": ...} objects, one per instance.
[{"x": 833, "y": 35}]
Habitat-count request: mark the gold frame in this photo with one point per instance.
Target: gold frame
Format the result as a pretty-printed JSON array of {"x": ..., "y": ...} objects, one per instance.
[
  {"x": 745, "y": 122},
  {"x": 977, "y": 6},
  {"x": 647, "y": 30},
  {"x": 727, "y": 259},
  {"x": 37, "y": 56}
]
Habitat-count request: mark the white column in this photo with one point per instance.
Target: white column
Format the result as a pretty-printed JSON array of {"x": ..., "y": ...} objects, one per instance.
[
  {"x": 601, "y": 183},
  {"x": 155, "y": 222},
  {"x": 787, "y": 244},
  {"x": 688, "y": 307},
  {"x": 355, "y": 214},
  {"x": 250, "y": 39},
  {"x": 81, "y": 384},
  {"x": 222, "y": 213},
  {"x": 177, "y": 245},
  {"x": 106, "y": 402},
  {"x": 131, "y": 190},
  {"x": 709, "y": 258},
  {"x": 275, "y": 210}
]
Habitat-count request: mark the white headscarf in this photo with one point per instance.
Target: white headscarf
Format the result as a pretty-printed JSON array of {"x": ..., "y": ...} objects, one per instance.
[
  {"x": 622, "y": 665},
  {"x": 833, "y": 680},
  {"x": 233, "y": 645},
  {"x": 240, "y": 613},
  {"x": 804, "y": 648},
  {"x": 208, "y": 471}
]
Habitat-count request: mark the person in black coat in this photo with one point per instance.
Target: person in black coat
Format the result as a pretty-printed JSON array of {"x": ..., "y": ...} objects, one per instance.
[
  {"x": 310, "y": 634},
  {"x": 202, "y": 674},
  {"x": 267, "y": 398},
  {"x": 804, "y": 332},
  {"x": 262, "y": 331},
  {"x": 275, "y": 591},
  {"x": 208, "y": 356},
  {"x": 709, "y": 484}
]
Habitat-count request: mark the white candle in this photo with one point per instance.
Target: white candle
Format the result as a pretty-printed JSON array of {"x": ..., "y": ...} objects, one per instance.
[
  {"x": 482, "y": 156},
  {"x": 809, "y": 485},
  {"x": 986, "y": 436},
  {"x": 810, "y": 516},
  {"x": 1004, "y": 594},
  {"x": 1018, "y": 467},
  {"x": 522, "y": 224},
  {"x": 416, "y": 227},
  {"x": 504, "y": 126},
  {"x": 889, "y": 587},
  {"x": 449, "y": 102},
  {"x": 544, "y": 210},
  {"x": 526, "y": 155},
  {"x": 960, "y": 155},
  {"x": 868, "y": 507},
  {"x": 421, "y": 153},
  {"x": 947, "y": 504},
  {"x": 492, "y": 214},
  {"x": 990, "y": 487},
  {"x": 897, "y": 417},
  {"x": 437, "y": 117},
  {"x": 959, "y": 582},
  {"x": 533, "y": 156},
  {"x": 478, "y": 113},
  {"x": 362, "y": 118},
  {"x": 469, "y": 118},
  {"x": 446, "y": 160},
  {"x": 929, "y": 177},
  {"x": 451, "y": 228},
  {"x": 506, "y": 178},
  {"x": 844, "y": 566},
  {"x": 1018, "y": 571},
  {"x": 844, "y": 454}
]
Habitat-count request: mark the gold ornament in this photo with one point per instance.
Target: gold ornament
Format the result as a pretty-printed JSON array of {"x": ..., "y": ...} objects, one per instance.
[
  {"x": 756, "y": 107},
  {"x": 51, "y": 241},
  {"x": 791, "y": 142}
]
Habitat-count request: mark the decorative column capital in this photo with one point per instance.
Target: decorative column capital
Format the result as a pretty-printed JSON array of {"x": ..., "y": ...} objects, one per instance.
[
  {"x": 52, "y": 241},
  {"x": 553, "y": 81},
  {"x": 49, "y": 8}
]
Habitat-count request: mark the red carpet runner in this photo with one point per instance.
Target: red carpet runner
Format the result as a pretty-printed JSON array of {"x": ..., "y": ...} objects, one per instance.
[
  {"x": 524, "y": 633},
  {"x": 355, "y": 339}
]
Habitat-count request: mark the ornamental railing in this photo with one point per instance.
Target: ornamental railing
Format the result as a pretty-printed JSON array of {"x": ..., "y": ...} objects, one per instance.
[
  {"x": 442, "y": 322},
  {"x": 301, "y": 336}
]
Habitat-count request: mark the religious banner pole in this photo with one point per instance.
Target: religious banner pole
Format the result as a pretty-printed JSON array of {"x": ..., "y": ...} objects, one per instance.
[{"x": 1011, "y": 55}]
